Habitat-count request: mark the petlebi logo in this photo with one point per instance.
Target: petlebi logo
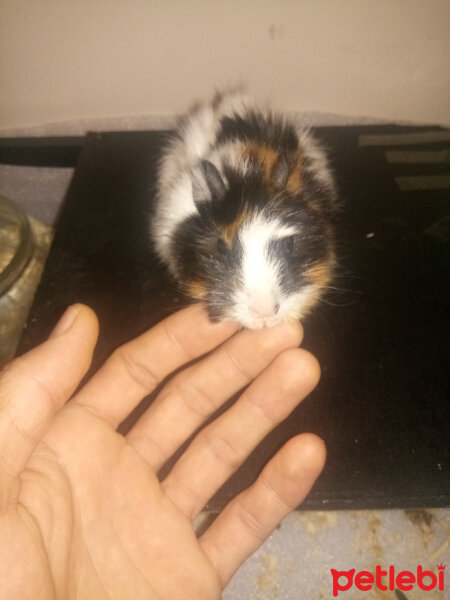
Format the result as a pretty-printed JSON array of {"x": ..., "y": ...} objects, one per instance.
[{"x": 388, "y": 579}]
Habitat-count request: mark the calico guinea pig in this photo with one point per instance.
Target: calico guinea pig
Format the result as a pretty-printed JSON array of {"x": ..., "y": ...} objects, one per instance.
[{"x": 243, "y": 212}]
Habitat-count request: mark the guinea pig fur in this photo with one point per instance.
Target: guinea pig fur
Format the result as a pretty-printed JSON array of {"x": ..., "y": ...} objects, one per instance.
[{"x": 243, "y": 212}]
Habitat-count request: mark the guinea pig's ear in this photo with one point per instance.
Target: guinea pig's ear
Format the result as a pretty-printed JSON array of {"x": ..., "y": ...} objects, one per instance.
[
  {"x": 287, "y": 173},
  {"x": 280, "y": 173},
  {"x": 207, "y": 183}
]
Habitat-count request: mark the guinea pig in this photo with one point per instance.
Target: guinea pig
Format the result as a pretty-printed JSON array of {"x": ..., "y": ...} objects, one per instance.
[{"x": 243, "y": 212}]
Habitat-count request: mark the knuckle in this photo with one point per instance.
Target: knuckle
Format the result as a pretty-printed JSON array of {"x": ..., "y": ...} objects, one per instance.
[
  {"x": 236, "y": 364},
  {"x": 222, "y": 450},
  {"x": 274, "y": 494},
  {"x": 196, "y": 399},
  {"x": 140, "y": 373},
  {"x": 250, "y": 522},
  {"x": 175, "y": 342}
]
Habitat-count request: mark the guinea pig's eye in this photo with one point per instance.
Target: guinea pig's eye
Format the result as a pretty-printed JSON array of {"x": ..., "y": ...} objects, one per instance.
[
  {"x": 222, "y": 247},
  {"x": 287, "y": 243}
]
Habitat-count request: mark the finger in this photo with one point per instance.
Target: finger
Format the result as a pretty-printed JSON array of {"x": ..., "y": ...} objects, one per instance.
[
  {"x": 36, "y": 385},
  {"x": 136, "y": 368},
  {"x": 198, "y": 391},
  {"x": 249, "y": 519},
  {"x": 220, "y": 448}
]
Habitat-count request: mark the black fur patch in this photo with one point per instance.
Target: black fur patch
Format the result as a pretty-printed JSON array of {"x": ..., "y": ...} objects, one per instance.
[
  {"x": 201, "y": 256},
  {"x": 255, "y": 126}
]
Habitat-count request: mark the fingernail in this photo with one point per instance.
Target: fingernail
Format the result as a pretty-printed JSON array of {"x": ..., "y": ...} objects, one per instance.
[{"x": 66, "y": 321}]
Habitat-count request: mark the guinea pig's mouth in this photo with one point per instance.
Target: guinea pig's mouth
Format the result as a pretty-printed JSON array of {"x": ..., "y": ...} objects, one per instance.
[
  {"x": 257, "y": 309},
  {"x": 269, "y": 312},
  {"x": 259, "y": 323},
  {"x": 243, "y": 316}
]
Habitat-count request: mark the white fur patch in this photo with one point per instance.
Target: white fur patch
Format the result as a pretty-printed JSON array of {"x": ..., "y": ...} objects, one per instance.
[
  {"x": 260, "y": 272},
  {"x": 319, "y": 165}
]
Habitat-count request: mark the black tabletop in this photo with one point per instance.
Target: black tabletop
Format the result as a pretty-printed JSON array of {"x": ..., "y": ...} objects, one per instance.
[{"x": 382, "y": 336}]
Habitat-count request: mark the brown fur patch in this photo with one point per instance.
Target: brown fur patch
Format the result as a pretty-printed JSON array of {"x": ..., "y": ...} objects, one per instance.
[
  {"x": 196, "y": 289},
  {"x": 294, "y": 182},
  {"x": 320, "y": 273},
  {"x": 268, "y": 159},
  {"x": 265, "y": 156},
  {"x": 314, "y": 207},
  {"x": 229, "y": 232}
]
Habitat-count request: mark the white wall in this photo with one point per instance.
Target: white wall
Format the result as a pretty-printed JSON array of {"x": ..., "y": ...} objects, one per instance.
[{"x": 68, "y": 59}]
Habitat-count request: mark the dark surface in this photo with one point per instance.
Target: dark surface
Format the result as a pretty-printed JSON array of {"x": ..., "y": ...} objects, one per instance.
[
  {"x": 381, "y": 337},
  {"x": 41, "y": 151}
]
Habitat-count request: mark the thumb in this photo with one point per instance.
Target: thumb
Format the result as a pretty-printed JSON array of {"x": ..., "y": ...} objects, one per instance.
[{"x": 35, "y": 386}]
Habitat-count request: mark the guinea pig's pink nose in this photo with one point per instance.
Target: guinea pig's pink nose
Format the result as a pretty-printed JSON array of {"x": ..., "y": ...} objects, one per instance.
[{"x": 264, "y": 305}]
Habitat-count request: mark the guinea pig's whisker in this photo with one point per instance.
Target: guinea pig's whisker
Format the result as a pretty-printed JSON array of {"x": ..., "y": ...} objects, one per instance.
[
  {"x": 341, "y": 302},
  {"x": 341, "y": 289}
]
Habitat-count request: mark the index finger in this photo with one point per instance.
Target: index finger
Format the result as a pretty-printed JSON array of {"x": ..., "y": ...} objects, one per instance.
[{"x": 135, "y": 369}]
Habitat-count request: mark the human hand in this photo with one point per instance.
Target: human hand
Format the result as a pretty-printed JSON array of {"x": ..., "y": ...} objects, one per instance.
[{"x": 82, "y": 512}]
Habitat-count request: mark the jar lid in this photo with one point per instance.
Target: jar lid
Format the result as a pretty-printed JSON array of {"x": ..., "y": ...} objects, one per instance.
[{"x": 16, "y": 242}]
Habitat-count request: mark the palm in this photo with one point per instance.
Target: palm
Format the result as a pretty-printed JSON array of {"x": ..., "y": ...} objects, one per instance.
[
  {"x": 87, "y": 514},
  {"x": 104, "y": 498}
]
